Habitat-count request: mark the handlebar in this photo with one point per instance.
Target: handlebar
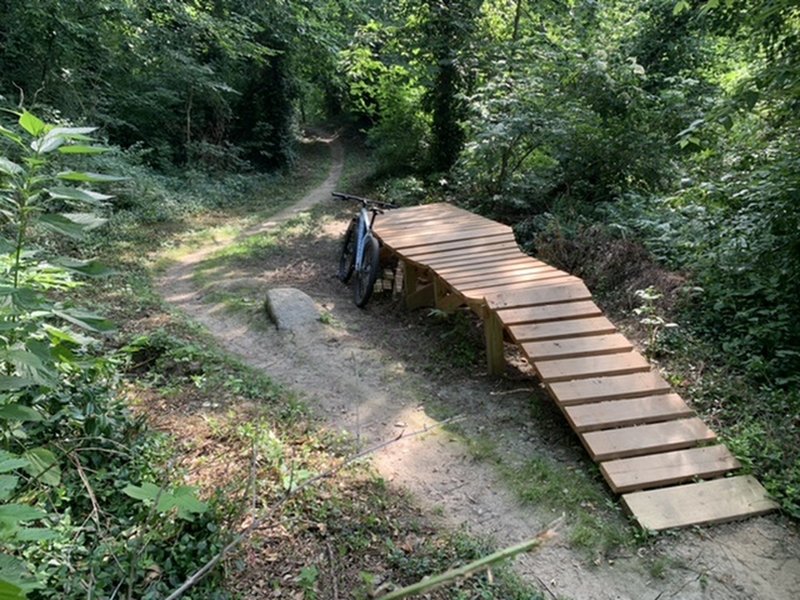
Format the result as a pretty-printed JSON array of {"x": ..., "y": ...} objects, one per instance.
[{"x": 365, "y": 202}]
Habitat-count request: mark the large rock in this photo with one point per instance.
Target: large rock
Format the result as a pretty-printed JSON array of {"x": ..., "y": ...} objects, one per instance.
[{"x": 290, "y": 309}]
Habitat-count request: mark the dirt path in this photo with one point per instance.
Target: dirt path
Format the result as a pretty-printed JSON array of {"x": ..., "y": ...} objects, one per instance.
[{"x": 367, "y": 374}]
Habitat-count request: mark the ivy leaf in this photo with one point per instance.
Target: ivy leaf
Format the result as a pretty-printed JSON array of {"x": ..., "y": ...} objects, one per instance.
[
  {"x": 35, "y": 534},
  {"x": 10, "y": 462},
  {"x": 87, "y": 177},
  {"x": 19, "y": 412},
  {"x": 7, "y": 133},
  {"x": 9, "y": 591},
  {"x": 188, "y": 503},
  {"x": 43, "y": 464},
  {"x": 20, "y": 512},
  {"x": 9, "y": 167},
  {"x": 46, "y": 144},
  {"x": 12, "y": 383},
  {"x": 74, "y": 225},
  {"x": 73, "y": 133},
  {"x": 32, "y": 124},
  {"x": 85, "y": 320},
  {"x": 15, "y": 573},
  {"x": 79, "y": 195},
  {"x": 90, "y": 268},
  {"x": 147, "y": 492},
  {"x": 8, "y": 483}
]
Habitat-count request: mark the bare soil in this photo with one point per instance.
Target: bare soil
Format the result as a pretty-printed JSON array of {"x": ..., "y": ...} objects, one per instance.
[{"x": 383, "y": 371}]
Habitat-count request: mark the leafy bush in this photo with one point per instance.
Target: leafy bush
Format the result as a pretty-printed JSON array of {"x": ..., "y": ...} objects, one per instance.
[{"x": 78, "y": 507}]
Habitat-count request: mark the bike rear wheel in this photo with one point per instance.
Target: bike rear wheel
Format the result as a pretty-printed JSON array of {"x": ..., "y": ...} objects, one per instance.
[
  {"x": 347, "y": 259},
  {"x": 367, "y": 275}
]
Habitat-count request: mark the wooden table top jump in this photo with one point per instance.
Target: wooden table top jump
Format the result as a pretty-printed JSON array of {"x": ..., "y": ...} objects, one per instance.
[{"x": 650, "y": 445}]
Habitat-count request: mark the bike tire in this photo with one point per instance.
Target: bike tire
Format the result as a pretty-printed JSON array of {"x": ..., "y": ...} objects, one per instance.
[
  {"x": 367, "y": 275},
  {"x": 347, "y": 258}
]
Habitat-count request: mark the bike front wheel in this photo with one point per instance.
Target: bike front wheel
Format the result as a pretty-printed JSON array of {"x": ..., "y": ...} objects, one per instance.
[
  {"x": 367, "y": 275},
  {"x": 347, "y": 259}
]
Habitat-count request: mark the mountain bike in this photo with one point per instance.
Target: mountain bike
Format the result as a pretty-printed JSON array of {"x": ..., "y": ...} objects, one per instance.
[{"x": 361, "y": 250}]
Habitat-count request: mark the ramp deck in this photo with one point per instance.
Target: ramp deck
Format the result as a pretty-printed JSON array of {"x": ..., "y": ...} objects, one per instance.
[{"x": 650, "y": 445}]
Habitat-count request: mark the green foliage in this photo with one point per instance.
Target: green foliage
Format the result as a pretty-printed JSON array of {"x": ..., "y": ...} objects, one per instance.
[{"x": 68, "y": 445}]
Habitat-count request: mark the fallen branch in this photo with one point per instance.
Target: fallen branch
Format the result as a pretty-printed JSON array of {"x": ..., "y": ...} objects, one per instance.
[
  {"x": 482, "y": 564},
  {"x": 198, "y": 575}
]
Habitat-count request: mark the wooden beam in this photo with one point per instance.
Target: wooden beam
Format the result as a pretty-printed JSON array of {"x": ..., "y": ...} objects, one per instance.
[{"x": 493, "y": 332}]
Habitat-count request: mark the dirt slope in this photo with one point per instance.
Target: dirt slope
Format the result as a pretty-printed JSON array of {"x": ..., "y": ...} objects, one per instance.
[{"x": 367, "y": 375}]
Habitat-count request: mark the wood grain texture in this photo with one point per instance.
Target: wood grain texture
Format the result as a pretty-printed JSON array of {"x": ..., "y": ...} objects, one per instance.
[
  {"x": 574, "y": 347},
  {"x": 646, "y": 439},
  {"x": 667, "y": 468},
  {"x": 699, "y": 503},
  {"x": 621, "y": 413},
  {"x": 549, "y": 312},
  {"x": 532, "y": 296},
  {"x": 553, "y": 330},
  {"x": 592, "y": 366},
  {"x": 597, "y": 389}
]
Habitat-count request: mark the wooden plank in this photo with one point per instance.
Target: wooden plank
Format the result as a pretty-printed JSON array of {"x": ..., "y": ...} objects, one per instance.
[
  {"x": 566, "y": 369},
  {"x": 549, "y": 312},
  {"x": 415, "y": 241},
  {"x": 597, "y": 389},
  {"x": 442, "y": 231},
  {"x": 646, "y": 439},
  {"x": 667, "y": 468},
  {"x": 520, "y": 275},
  {"x": 533, "y": 297},
  {"x": 559, "y": 277},
  {"x": 441, "y": 246},
  {"x": 462, "y": 256},
  {"x": 502, "y": 269},
  {"x": 575, "y": 347},
  {"x": 422, "y": 210},
  {"x": 705, "y": 502},
  {"x": 489, "y": 255},
  {"x": 486, "y": 257},
  {"x": 553, "y": 330},
  {"x": 621, "y": 413},
  {"x": 432, "y": 225}
]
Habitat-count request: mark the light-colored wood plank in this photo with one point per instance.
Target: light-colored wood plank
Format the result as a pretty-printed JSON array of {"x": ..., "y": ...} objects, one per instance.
[
  {"x": 444, "y": 224},
  {"x": 487, "y": 256},
  {"x": 667, "y": 468},
  {"x": 575, "y": 347},
  {"x": 646, "y": 439},
  {"x": 598, "y": 389},
  {"x": 524, "y": 276},
  {"x": 549, "y": 312},
  {"x": 461, "y": 257},
  {"x": 705, "y": 502},
  {"x": 567, "y": 369},
  {"x": 442, "y": 232},
  {"x": 416, "y": 241},
  {"x": 554, "y": 330},
  {"x": 553, "y": 278},
  {"x": 621, "y": 413},
  {"x": 533, "y": 296},
  {"x": 440, "y": 246},
  {"x": 502, "y": 269}
]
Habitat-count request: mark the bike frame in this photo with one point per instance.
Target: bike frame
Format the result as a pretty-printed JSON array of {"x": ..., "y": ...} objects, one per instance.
[{"x": 364, "y": 228}]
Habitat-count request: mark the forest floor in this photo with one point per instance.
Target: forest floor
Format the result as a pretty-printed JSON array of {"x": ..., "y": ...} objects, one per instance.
[{"x": 504, "y": 467}]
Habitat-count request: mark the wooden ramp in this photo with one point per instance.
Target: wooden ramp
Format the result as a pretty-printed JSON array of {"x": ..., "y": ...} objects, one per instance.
[{"x": 649, "y": 444}]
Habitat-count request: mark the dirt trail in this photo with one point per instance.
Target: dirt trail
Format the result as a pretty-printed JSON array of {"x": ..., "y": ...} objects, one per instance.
[{"x": 358, "y": 381}]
